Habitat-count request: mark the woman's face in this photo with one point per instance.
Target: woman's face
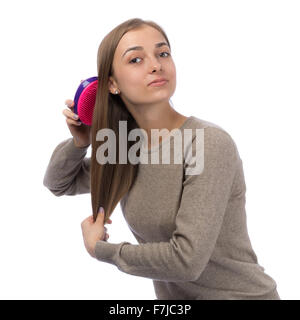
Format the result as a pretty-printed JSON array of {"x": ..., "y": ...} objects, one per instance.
[{"x": 133, "y": 70}]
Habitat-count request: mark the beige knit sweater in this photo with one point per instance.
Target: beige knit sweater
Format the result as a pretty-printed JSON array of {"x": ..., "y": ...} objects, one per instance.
[{"x": 191, "y": 229}]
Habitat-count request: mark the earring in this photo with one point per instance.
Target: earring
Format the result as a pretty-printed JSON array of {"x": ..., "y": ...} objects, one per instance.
[{"x": 116, "y": 92}]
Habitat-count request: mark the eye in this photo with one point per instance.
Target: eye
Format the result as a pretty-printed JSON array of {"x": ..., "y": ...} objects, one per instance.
[
  {"x": 168, "y": 54},
  {"x": 131, "y": 61}
]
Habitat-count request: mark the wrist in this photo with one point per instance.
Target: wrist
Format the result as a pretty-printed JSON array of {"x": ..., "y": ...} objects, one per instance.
[
  {"x": 81, "y": 146},
  {"x": 93, "y": 249}
]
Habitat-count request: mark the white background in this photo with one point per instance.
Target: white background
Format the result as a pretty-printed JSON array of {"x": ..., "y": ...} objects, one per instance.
[{"x": 237, "y": 65}]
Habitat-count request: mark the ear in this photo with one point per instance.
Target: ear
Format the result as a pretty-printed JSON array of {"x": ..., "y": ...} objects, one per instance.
[{"x": 112, "y": 85}]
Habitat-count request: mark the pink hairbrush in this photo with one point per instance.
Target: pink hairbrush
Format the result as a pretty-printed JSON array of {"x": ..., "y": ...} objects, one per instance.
[{"x": 85, "y": 98}]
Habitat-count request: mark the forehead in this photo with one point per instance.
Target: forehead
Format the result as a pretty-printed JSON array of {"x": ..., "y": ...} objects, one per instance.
[{"x": 144, "y": 36}]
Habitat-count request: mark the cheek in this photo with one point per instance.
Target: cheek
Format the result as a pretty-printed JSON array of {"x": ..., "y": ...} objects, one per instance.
[
  {"x": 171, "y": 74},
  {"x": 172, "y": 70},
  {"x": 133, "y": 78}
]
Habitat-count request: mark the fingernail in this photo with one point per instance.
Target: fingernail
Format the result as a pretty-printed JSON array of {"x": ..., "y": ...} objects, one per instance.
[{"x": 101, "y": 210}]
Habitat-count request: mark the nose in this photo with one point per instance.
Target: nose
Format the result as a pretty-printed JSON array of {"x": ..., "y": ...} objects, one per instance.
[{"x": 154, "y": 65}]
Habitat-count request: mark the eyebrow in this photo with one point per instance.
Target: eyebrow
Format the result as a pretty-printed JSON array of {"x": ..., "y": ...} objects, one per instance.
[{"x": 158, "y": 45}]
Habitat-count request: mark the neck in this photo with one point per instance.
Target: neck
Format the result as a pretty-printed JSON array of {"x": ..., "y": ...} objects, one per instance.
[{"x": 157, "y": 117}]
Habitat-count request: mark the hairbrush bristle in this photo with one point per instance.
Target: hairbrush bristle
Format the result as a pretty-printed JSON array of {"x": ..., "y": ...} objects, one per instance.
[{"x": 85, "y": 99}]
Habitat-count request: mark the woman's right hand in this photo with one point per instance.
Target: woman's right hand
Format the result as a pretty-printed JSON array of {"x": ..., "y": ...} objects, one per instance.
[{"x": 81, "y": 133}]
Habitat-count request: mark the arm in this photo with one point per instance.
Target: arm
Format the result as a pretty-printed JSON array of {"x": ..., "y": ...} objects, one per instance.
[
  {"x": 198, "y": 221},
  {"x": 68, "y": 171}
]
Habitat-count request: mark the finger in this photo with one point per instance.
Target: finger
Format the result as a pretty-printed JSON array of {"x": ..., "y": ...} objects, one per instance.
[
  {"x": 88, "y": 220},
  {"x": 108, "y": 221},
  {"x": 69, "y": 114},
  {"x": 69, "y": 102},
  {"x": 74, "y": 122},
  {"x": 100, "y": 217}
]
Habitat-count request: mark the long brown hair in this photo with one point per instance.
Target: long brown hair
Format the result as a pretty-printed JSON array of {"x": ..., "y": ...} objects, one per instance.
[{"x": 110, "y": 182}]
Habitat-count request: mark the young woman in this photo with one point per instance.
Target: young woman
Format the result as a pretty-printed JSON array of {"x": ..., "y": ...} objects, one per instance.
[{"x": 191, "y": 228}]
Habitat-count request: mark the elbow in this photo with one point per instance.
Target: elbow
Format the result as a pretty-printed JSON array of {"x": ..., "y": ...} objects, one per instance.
[
  {"x": 56, "y": 192},
  {"x": 59, "y": 191}
]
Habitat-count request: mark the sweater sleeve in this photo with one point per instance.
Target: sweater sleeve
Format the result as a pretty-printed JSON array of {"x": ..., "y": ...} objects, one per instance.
[
  {"x": 68, "y": 171},
  {"x": 198, "y": 221}
]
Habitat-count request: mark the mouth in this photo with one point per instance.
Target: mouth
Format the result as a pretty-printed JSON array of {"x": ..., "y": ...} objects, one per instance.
[{"x": 158, "y": 82}]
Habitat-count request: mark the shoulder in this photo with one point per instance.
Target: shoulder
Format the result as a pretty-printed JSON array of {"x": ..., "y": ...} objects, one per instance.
[
  {"x": 214, "y": 134},
  {"x": 212, "y": 141}
]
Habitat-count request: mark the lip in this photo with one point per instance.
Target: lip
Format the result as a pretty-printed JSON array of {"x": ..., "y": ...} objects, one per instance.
[{"x": 159, "y": 81}]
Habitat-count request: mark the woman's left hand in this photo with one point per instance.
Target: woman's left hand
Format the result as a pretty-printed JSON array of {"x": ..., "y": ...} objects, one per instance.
[{"x": 93, "y": 232}]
